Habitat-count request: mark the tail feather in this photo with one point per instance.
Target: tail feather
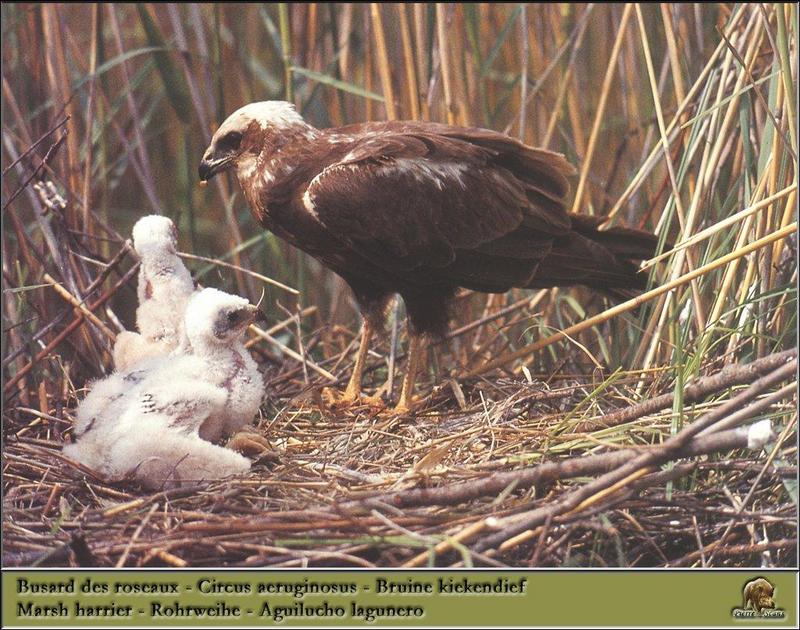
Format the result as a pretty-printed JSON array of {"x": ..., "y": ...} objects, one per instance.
[
  {"x": 625, "y": 242},
  {"x": 577, "y": 260},
  {"x": 605, "y": 260},
  {"x": 601, "y": 259}
]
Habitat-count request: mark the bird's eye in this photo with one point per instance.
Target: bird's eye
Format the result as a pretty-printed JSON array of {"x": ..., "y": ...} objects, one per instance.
[
  {"x": 231, "y": 141},
  {"x": 233, "y": 317}
]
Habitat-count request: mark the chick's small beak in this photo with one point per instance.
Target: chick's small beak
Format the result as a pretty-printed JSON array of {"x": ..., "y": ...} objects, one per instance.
[
  {"x": 260, "y": 316},
  {"x": 255, "y": 314}
]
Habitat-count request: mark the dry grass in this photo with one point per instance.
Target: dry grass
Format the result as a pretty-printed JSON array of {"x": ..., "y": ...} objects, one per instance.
[{"x": 681, "y": 119}]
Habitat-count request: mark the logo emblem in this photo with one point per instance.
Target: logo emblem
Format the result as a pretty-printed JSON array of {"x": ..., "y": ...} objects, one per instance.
[{"x": 758, "y": 601}]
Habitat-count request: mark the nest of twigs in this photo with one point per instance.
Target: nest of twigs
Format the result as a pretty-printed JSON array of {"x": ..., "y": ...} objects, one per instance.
[{"x": 504, "y": 472}]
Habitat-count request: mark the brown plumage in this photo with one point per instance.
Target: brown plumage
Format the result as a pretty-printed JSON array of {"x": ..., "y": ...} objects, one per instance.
[{"x": 420, "y": 209}]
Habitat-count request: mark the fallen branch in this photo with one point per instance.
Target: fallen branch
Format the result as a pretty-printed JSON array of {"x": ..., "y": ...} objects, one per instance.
[
  {"x": 31, "y": 148},
  {"x": 732, "y": 410},
  {"x": 522, "y": 479},
  {"x": 106, "y": 271},
  {"x": 302, "y": 524},
  {"x": 734, "y": 550},
  {"x": 693, "y": 392}
]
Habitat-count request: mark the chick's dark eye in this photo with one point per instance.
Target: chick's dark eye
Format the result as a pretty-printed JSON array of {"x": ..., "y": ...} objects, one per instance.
[{"x": 233, "y": 316}]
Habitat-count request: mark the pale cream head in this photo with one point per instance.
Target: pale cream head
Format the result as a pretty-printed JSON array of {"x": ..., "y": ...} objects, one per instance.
[
  {"x": 214, "y": 317},
  {"x": 155, "y": 234}
]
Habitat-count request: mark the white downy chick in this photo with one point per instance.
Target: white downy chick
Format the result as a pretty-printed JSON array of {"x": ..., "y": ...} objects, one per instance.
[
  {"x": 163, "y": 415},
  {"x": 156, "y": 438},
  {"x": 164, "y": 287},
  {"x": 229, "y": 364},
  {"x": 215, "y": 322},
  {"x": 107, "y": 397}
]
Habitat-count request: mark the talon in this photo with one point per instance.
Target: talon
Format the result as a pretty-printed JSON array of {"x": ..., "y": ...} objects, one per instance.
[
  {"x": 335, "y": 399},
  {"x": 405, "y": 407},
  {"x": 332, "y": 397},
  {"x": 375, "y": 401},
  {"x": 401, "y": 410},
  {"x": 251, "y": 444}
]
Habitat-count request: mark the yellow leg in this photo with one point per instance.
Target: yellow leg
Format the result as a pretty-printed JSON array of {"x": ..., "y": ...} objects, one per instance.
[
  {"x": 416, "y": 349},
  {"x": 353, "y": 391}
]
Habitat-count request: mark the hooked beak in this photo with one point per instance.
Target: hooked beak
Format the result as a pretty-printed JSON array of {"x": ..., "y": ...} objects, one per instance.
[{"x": 209, "y": 166}]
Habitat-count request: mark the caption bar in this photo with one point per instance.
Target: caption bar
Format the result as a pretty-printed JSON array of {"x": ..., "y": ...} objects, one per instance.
[{"x": 393, "y": 598}]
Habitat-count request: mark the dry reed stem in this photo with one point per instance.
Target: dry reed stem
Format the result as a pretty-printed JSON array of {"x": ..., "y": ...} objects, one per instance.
[
  {"x": 383, "y": 60},
  {"x": 249, "y": 272},
  {"x": 720, "y": 225},
  {"x": 410, "y": 63},
  {"x": 79, "y": 306},
  {"x": 444, "y": 61},
  {"x": 294, "y": 355},
  {"x": 586, "y": 162},
  {"x": 465, "y": 534}
]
